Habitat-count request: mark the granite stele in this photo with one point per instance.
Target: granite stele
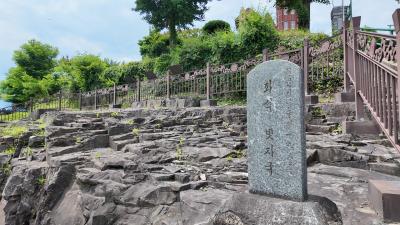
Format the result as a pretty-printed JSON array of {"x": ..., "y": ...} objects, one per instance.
[{"x": 276, "y": 134}]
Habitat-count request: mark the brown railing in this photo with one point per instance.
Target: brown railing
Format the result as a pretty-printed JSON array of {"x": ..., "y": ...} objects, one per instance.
[
  {"x": 371, "y": 65},
  {"x": 211, "y": 82}
]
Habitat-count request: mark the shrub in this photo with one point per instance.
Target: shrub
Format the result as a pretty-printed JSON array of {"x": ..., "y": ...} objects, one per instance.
[
  {"x": 13, "y": 131},
  {"x": 257, "y": 31},
  {"x": 226, "y": 48},
  {"x": 216, "y": 25},
  {"x": 131, "y": 71},
  {"x": 194, "y": 53},
  {"x": 294, "y": 39},
  {"x": 155, "y": 44},
  {"x": 162, "y": 63}
]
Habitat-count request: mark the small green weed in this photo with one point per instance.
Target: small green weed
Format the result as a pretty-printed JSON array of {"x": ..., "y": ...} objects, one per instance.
[
  {"x": 130, "y": 122},
  {"x": 179, "y": 153},
  {"x": 6, "y": 168},
  {"x": 10, "y": 151},
  {"x": 114, "y": 114},
  {"x": 13, "y": 131},
  {"x": 337, "y": 130},
  {"x": 41, "y": 180},
  {"x": 181, "y": 141},
  {"x": 98, "y": 115},
  {"x": 136, "y": 132},
  {"x": 98, "y": 155},
  {"x": 28, "y": 152},
  {"x": 317, "y": 112},
  {"x": 78, "y": 140},
  {"x": 229, "y": 158}
]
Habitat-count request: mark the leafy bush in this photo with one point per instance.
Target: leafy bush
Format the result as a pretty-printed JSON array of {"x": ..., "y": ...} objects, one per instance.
[
  {"x": 257, "y": 31},
  {"x": 327, "y": 86},
  {"x": 216, "y": 25},
  {"x": 162, "y": 63},
  {"x": 112, "y": 75},
  {"x": 194, "y": 53},
  {"x": 294, "y": 39},
  {"x": 13, "y": 131},
  {"x": 155, "y": 44},
  {"x": 131, "y": 71},
  {"x": 226, "y": 48}
]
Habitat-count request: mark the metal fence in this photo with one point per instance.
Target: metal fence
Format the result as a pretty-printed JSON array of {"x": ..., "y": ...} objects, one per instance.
[
  {"x": 214, "y": 81},
  {"x": 371, "y": 65}
]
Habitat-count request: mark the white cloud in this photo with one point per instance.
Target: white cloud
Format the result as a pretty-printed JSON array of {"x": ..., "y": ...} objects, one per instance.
[{"x": 76, "y": 44}]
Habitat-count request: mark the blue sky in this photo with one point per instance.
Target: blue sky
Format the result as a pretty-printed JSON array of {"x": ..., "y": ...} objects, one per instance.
[{"x": 110, "y": 29}]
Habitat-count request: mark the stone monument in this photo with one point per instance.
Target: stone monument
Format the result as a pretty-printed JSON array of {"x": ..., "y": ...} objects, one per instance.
[{"x": 276, "y": 133}]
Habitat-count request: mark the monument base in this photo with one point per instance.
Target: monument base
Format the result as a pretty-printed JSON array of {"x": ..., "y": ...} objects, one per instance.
[
  {"x": 384, "y": 197},
  {"x": 208, "y": 103},
  {"x": 345, "y": 97},
  {"x": 311, "y": 99},
  {"x": 361, "y": 127},
  {"x": 254, "y": 209}
]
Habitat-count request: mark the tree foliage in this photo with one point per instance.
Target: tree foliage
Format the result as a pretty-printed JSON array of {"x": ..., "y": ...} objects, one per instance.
[
  {"x": 216, "y": 25},
  {"x": 257, "y": 31},
  {"x": 171, "y": 14},
  {"x": 35, "y": 58}
]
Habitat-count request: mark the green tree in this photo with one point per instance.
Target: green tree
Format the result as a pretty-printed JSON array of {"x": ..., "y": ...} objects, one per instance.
[
  {"x": 216, "y": 25},
  {"x": 131, "y": 71},
  {"x": 257, "y": 31},
  {"x": 171, "y": 14},
  {"x": 155, "y": 44},
  {"x": 302, "y": 8},
  {"x": 86, "y": 71},
  {"x": 34, "y": 61},
  {"x": 35, "y": 58},
  {"x": 112, "y": 75}
]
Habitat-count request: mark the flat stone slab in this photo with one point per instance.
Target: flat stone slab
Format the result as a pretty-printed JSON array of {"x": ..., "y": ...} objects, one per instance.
[
  {"x": 384, "y": 197},
  {"x": 276, "y": 131},
  {"x": 244, "y": 208}
]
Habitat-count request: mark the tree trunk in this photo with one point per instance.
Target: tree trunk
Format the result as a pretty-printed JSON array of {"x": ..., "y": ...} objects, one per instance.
[{"x": 172, "y": 33}]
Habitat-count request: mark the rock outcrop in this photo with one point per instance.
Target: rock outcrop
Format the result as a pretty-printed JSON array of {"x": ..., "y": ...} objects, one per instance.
[{"x": 183, "y": 166}]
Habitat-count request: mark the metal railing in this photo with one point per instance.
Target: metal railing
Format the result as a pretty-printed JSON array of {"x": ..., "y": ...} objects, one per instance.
[
  {"x": 211, "y": 82},
  {"x": 371, "y": 65}
]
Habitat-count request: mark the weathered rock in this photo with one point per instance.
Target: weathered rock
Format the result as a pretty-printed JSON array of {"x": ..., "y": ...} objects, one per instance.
[
  {"x": 36, "y": 141},
  {"x": 259, "y": 210},
  {"x": 150, "y": 181}
]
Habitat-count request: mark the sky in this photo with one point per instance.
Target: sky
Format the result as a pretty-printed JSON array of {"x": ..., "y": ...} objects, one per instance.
[{"x": 110, "y": 29}]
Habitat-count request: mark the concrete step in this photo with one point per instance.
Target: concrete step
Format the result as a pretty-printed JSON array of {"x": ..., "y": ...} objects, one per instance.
[{"x": 386, "y": 168}]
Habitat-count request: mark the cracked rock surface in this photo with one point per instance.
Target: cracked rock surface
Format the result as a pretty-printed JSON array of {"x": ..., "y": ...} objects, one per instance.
[{"x": 182, "y": 166}]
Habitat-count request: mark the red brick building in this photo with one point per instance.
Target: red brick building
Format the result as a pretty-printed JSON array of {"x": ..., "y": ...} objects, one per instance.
[{"x": 286, "y": 19}]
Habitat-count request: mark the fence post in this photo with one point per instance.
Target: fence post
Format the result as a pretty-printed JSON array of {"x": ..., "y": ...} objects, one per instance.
[
  {"x": 59, "y": 100},
  {"x": 265, "y": 55},
  {"x": 306, "y": 60},
  {"x": 138, "y": 89},
  {"x": 31, "y": 104},
  {"x": 346, "y": 79},
  {"x": 95, "y": 98},
  {"x": 396, "y": 22},
  {"x": 356, "y": 75},
  {"x": 168, "y": 85},
  {"x": 208, "y": 81},
  {"x": 80, "y": 100},
  {"x": 115, "y": 96}
]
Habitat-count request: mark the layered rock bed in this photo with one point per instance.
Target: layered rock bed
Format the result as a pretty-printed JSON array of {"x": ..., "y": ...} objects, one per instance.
[{"x": 177, "y": 166}]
